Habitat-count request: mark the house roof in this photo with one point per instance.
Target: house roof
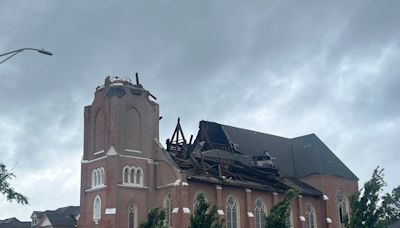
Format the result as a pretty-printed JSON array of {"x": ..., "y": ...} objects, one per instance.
[
  {"x": 61, "y": 220},
  {"x": 61, "y": 217},
  {"x": 14, "y": 223}
]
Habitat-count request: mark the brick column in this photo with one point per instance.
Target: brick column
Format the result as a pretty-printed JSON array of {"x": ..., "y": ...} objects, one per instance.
[
  {"x": 249, "y": 210},
  {"x": 186, "y": 211},
  {"x": 151, "y": 180},
  {"x": 112, "y": 196},
  {"x": 176, "y": 215},
  {"x": 325, "y": 212},
  {"x": 274, "y": 198},
  {"x": 220, "y": 205},
  {"x": 300, "y": 209},
  {"x": 82, "y": 222}
]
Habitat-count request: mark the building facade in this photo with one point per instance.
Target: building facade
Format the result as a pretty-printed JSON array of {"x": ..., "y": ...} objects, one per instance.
[{"x": 126, "y": 171}]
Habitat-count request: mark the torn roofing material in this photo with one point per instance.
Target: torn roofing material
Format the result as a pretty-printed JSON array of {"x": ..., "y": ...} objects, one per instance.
[{"x": 229, "y": 155}]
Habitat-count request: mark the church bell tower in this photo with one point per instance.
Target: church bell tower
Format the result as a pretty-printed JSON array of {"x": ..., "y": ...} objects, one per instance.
[{"x": 121, "y": 128}]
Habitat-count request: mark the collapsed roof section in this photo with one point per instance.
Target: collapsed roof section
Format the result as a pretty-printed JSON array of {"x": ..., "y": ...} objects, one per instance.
[{"x": 223, "y": 154}]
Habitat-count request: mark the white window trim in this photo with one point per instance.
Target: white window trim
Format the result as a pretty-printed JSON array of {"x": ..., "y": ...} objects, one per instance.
[
  {"x": 344, "y": 203},
  {"x": 99, "y": 152},
  {"x": 140, "y": 181},
  {"x": 133, "y": 151},
  {"x": 98, "y": 178},
  {"x": 97, "y": 188},
  {"x": 132, "y": 186},
  {"x": 263, "y": 208},
  {"x": 167, "y": 203},
  {"x": 119, "y": 155},
  {"x": 96, "y": 210},
  {"x": 135, "y": 219},
  {"x": 314, "y": 215},
  {"x": 134, "y": 170},
  {"x": 237, "y": 210}
]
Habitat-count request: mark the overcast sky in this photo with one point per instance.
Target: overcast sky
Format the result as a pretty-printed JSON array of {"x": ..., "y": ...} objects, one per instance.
[{"x": 288, "y": 68}]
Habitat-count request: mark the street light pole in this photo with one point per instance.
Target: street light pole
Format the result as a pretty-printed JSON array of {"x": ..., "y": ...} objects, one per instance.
[{"x": 12, "y": 53}]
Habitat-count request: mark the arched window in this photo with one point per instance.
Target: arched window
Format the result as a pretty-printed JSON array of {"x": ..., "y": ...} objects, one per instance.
[
  {"x": 310, "y": 216},
  {"x": 132, "y": 175},
  {"x": 125, "y": 175},
  {"x": 341, "y": 208},
  {"x": 168, "y": 208},
  {"x": 139, "y": 176},
  {"x": 102, "y": 176},
  {"x": 98, "y": 177},
  {"x": 232, "y": 212},
  {"x": 132, "y": 216},
  {"x": 93, "y": 178},
  {"x": 96, "y": 209},
  {"x": 260, "y": 211},
  {"x": 99, "y": 130},
  {"x": 196, "y": 199}
]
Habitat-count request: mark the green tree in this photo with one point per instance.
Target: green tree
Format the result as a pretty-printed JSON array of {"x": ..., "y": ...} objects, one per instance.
[
  {"x": 155, "y": 219},
  {"x": 369, "y": 208},
  {"x": 6, "y": 189},
  {"x": 280, "y": 213},
  {"x": 391, "y": 205},
  {"x": 205, "y": 215}
]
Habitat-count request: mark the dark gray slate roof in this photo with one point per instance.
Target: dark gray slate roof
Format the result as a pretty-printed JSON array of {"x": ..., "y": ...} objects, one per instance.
[
  {"x": 297, "y": 157},
  {"x": 70, "y": 210},
  {"x": 61, "y": 220},
  {"x": 312, "y": 156},
  {"x": 61, "y": 217},
  {"x": 14, "y": 223}
]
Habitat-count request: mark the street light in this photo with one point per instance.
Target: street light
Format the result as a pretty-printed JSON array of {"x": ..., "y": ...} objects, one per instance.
[{"x": 12, "y": 53}]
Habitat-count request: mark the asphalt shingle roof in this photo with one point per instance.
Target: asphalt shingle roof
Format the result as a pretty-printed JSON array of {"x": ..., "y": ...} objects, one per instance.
[
  {"x": 14, "y": 223},
  {"x": 61, "y": 217},
  {"x": 297, "y": 157}
]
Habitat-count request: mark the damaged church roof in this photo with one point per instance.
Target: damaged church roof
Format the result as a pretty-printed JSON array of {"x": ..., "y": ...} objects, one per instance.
[{"x": 222, "y": 154}]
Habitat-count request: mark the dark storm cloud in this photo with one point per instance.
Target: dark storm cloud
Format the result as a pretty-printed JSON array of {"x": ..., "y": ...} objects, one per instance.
[{"x": 281, "y": 67}]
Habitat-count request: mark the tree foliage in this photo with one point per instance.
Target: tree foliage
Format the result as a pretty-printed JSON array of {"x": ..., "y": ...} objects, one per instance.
[
  {"x": 369, "y": 208},
  {"x": 205, "y": 215},
  {"x": 280, "y": 213},
  {"x": 391, "y": 206},
  {"x": 6, "y": 189},
  {"x": 155, "y": 219}
]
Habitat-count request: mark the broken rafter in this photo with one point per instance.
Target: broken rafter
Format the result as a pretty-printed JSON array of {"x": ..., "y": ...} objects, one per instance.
[{"x": 178, "y": 131}]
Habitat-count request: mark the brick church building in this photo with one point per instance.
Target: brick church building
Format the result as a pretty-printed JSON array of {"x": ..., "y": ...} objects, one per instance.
[{"x": 126, "y": 171}]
